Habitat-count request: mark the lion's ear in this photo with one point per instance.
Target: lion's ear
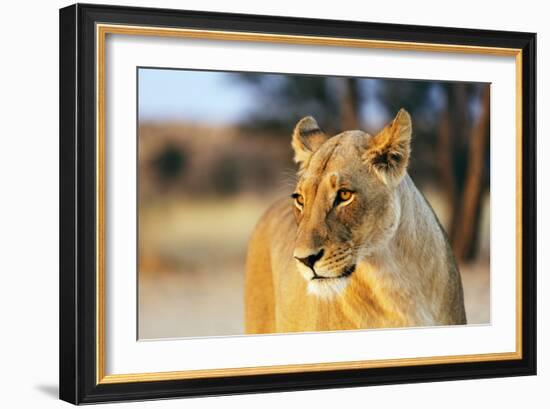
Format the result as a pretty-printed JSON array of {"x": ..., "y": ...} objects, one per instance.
[
  {"x": 388, "y": 152},
  {"x": 306, "y": 139}
]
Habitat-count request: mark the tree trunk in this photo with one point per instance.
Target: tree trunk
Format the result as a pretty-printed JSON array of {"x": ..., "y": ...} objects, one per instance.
[
  {"x": 466, "y": 232},
  {"x": 459, "y": 131},
  {"x": 445, "y": 164},
  {"x": 349, "y": 114}
]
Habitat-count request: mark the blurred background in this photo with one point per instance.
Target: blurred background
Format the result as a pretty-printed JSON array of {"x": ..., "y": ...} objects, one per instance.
[{"x": 214, "y": 153}]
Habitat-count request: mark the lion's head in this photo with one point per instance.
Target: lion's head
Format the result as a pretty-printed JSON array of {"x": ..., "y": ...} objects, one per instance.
[{"x": 346, "y": 201}]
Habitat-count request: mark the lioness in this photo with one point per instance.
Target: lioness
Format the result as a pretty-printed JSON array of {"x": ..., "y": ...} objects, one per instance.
[{"x": 357, "y": 246}]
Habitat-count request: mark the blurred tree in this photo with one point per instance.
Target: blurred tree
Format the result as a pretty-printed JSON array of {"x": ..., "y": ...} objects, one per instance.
[
  {"x": 170, "y": 163},
  {"x": 463, "y": 140},
  {"x": 227, "y": 175},
  {"x": 349, "y": 103},
  {"x": 284, "y": 100},
  {"x": 469, "y": 189}
]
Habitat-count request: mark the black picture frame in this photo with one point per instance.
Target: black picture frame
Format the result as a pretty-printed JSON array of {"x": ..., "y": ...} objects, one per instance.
[{"x": 78, "y": 360}]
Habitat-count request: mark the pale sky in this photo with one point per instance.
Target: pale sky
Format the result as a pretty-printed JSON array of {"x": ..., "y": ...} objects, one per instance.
[{"x": 192, "y": 96}]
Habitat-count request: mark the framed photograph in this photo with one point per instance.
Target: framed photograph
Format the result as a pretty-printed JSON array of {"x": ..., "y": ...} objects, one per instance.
[{"x": 256, "y": 203}]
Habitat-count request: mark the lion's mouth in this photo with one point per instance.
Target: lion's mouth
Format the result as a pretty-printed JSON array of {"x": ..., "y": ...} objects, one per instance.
[{"x": 348, "y": 271}]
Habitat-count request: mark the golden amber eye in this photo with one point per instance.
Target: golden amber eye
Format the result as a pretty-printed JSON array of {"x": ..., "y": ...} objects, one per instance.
[
  {"x": 344, "y": 195},
  {"x": 298, "y": 199}
]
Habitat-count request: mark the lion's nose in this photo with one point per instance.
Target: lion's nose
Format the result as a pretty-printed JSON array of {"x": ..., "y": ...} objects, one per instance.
[{"x": 311, "y": 259}]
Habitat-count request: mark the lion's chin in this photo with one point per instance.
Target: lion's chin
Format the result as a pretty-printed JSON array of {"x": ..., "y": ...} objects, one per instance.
[{"x": 327, "y": 288}]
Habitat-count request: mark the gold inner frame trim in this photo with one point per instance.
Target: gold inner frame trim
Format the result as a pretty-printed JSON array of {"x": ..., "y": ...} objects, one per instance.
[{"x": 101, "y": 33}]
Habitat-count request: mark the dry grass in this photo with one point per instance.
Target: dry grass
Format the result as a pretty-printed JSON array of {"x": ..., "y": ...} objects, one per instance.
[{"x": 192, "y": 267}]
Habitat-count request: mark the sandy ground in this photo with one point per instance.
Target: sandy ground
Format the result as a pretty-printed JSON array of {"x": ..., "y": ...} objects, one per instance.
[
  {"x": 211, "y": 303},
  {"x": 192, "y": 270}
]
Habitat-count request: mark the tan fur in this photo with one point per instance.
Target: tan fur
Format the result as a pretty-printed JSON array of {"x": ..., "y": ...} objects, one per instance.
[{"x": 384, "y": 259}]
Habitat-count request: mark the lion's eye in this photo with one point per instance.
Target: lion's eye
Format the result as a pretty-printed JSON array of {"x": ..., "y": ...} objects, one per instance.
[
  {"x": 298, "y": 199},
  {"x": 344, "y": 195}
]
